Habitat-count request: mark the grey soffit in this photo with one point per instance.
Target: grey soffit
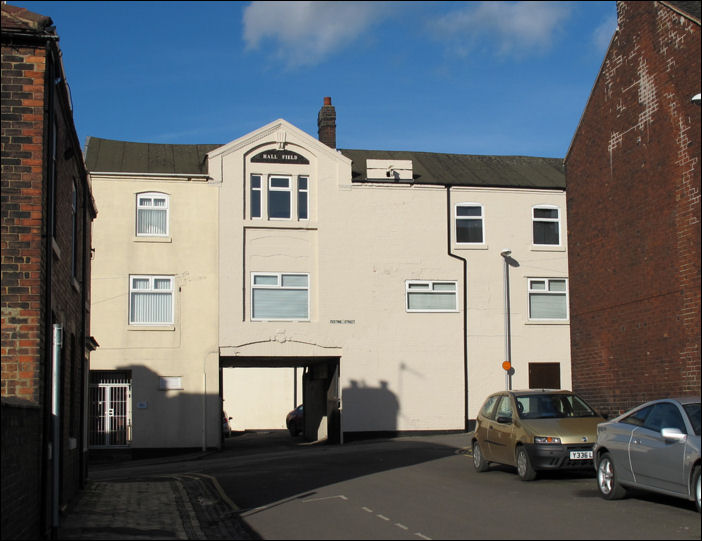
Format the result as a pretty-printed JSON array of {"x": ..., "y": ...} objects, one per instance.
[
  {"x": 107, "y": 155},
  {"x": 110, "y": 156},
  {"x": 468, "y": 170}
]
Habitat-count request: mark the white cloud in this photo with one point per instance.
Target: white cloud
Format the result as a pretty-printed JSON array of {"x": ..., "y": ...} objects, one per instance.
[
  {"x": 305, "y": 33},
  {"x": 513, "y": 27},
  {"x": 604, "y": 32}
]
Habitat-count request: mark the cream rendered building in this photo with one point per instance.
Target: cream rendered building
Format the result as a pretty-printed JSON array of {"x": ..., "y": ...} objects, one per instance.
[
  {"x": 369, "y": 285},
  {"x": 155, "y": 379}
]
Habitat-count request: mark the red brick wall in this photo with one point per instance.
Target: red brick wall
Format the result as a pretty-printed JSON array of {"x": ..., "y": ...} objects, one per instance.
[
  {"x": 22, "y": 197},
  {"x": 633, "y": 195},
  {"x": 29, "y": 109}
]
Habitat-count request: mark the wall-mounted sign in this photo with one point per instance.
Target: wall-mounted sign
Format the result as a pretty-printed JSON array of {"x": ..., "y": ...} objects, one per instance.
[{"x": 279, "y": 156}]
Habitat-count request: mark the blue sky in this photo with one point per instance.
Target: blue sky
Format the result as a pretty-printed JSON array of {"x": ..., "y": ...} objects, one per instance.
[{"x": 503, "y": 78}]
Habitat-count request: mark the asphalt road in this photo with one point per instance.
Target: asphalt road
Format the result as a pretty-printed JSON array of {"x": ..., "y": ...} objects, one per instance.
[{"x": 415, "y": 488}]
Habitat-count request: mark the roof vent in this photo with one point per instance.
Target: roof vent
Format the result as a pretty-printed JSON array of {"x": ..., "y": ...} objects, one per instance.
[{"x": 389, "y": 170}]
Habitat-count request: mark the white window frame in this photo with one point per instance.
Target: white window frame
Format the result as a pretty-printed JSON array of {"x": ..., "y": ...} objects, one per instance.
[
  {"x": 151, "y": 289},
  {"x": 429, "y": 286},
  {"x": 141, "y": 206},
  {"x": 480, "y": 218},
  {"x": 258, "y": 189},
  {"x": 278, "y": 286},
  {"x": 547, "y": 291},
  {"x": 557, "y": 221},
  {"x": 305, "y": 193},
  {"x": 273, "y": 189}
]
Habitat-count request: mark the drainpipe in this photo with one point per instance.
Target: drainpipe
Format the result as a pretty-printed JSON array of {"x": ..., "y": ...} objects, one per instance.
[
  {"x": 465, "y": 304},
  {"x": 47, "y": 438},
  {"x": 57, "y": 344}
]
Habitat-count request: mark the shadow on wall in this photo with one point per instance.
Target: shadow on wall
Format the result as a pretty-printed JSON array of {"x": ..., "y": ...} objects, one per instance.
[
  {"x": 133, "y": 407},
  {"x": 374, "y": 408}
]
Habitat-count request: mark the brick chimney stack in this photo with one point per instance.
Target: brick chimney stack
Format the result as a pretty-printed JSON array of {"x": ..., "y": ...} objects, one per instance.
[{"x": 326, "y": 124}]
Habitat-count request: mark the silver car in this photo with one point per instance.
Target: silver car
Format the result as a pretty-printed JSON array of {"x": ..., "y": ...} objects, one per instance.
[{"x": 655, "y": 446}]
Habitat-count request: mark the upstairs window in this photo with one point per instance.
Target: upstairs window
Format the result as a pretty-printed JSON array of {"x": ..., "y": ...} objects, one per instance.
[
  {"x": 152, "y": 215},
  {"x": 469, "y": 223},
  {"x": 546, "y": 226},
  {"x": 255, "y": 196},
  {"x": 548, "y": 298},
  {"x": 279, "y": 198},
  {"x": 430, "y": 296},
  {"x": 150, "y": 300},
  {"x": 302, "y": 198},
  {"x": 280, "y": 296}
]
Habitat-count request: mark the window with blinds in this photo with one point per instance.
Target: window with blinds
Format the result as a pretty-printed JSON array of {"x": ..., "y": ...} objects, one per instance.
[
  {"x": 150, "y": 300},
  {"x": 280, "y": 296},
  {"x": 548, "y": 299},
  {"x": 431, "y": 296},
  {"x": 152, "y": 215}
]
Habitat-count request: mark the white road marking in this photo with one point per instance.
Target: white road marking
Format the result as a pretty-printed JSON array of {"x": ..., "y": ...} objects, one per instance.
[{"x": 340, "y": 496}]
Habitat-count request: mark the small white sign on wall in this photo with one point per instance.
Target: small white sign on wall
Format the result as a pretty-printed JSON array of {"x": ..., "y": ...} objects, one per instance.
[{"x": 170, "y": 383}]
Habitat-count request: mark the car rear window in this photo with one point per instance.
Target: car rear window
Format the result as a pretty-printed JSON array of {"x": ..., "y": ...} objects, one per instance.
[{"x": 548, "y": 406}]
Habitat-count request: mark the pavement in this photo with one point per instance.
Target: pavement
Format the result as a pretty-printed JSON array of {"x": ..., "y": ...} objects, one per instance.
[
  {"x": 174, "y": 506},
  {"x": 119, "y": 503}
]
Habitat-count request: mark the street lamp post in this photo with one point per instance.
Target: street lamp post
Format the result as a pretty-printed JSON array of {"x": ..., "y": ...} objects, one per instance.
[{"x": 508, "y": 344}]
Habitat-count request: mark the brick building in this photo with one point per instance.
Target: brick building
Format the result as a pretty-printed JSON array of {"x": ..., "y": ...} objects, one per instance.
[
  {"x": 633, "y": 198},
  {"x": 47, "y": 212}
]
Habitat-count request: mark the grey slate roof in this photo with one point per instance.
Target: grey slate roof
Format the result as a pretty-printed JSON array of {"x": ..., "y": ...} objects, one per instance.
[
  {"x": 691, "y": 8},
  {"x": 106, "y": 155},
  {"x": 467, "y": 169}
]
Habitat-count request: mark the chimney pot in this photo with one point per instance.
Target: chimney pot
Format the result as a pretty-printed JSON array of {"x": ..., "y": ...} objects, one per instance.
[{"x": 326, "y": 123}]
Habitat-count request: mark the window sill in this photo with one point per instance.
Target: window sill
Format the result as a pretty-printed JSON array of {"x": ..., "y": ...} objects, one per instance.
[
  {"x": 151, "y": 327},
  {"x": 280, "y": 320},
  {"x": 153, "y": 239},
  {"x": 546, "y": 248},
  {"x": 458, "y": 246},
  {"x": 548, "y": 322}
]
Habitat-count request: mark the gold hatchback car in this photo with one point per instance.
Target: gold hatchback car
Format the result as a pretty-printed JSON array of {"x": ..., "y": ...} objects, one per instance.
[{"x": 535, "y": 430}]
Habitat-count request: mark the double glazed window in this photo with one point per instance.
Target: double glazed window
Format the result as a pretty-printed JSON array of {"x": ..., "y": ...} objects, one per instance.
[
  {"x": 546, "y": 226},
  {"x": 548, "y": 298},
  {"x": 280, "y": 296},
  {"x": 469, "y": 223},
  {"x": 430, "y": 296},
  {"x": 152, "y": 215},
  {"x": 150, "y": 300},
  {"x": 274, "y": 197}
]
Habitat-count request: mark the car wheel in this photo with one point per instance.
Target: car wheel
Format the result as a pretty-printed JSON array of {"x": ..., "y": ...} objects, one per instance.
[
  {"x": 610, "y": 489},
  {"x": 479, "y": 461},
  {"x": 696, "y": 486},
  {"x": 524, "y": 468}
]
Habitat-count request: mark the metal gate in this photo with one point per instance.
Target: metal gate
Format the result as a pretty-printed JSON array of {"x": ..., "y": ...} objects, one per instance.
[{"x": 110, "y": 409}]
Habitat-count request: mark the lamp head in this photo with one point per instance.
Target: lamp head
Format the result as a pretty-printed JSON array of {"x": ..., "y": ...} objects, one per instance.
[{"x": 506, "y": 252}]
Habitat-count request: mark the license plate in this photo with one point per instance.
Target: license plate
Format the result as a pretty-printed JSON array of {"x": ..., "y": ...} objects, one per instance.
[{"x": 581, "y": 455}]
